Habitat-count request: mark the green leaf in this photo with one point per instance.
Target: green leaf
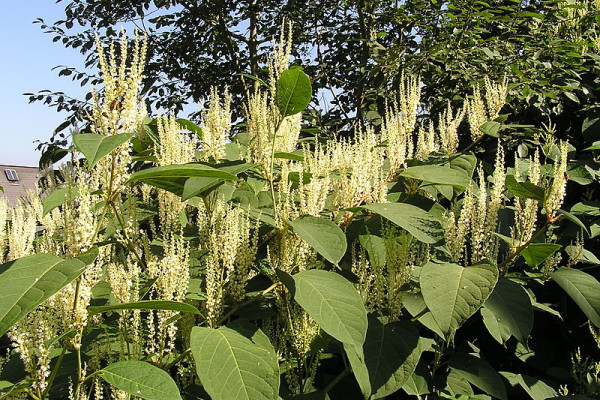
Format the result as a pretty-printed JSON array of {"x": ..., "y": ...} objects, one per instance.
[
  {"x": 536, "y": 253},
  {"x": 391, "y": 353},
  {"x": 524, "y": 190},
  {"x": 141, "y": 379},
  {"x": 235, "y": 362},
  {"x": 438, "y": 175},
  {"x": 293, "y": 92},
  {"x": 27, "y": 282},
  {"x": 479, "y": 373},
  {"x": 89, "y": 256},
  {"x": 56, "y": 199},
  {"x": 491, "y": 128},
  {"x": 289, "y": 156},
  {"x": 190, "y": 126},
  {"x": 196, "y": 186},
  {"x": 375, "y": 247},
  {"x": 586, "y": 209},
  {"x": 454, "y": 293},
  {"x": 500, "y": 332},
  {"x": 146, "y": 305},
  {"x": 332, "y": 301},
  {"x": 173, "y": 177},
  {"x": 94, "y": 147},
  {"x": 582, "y": 255},
  {"x": 535, "y": 388},
  {"x": 419, "y": 223},
  {"x": 415, "y": 305},
  {"x": 583, "y": 288},
  {"x": 573, "y": 219},
  {"x": 419, "y": 382},
  {"x": 456, "y": 385},
  {"x": 511, "y": 310},
  {"x": 594, "y": 146},
  {"x": 464, "y": 163},
  {"x": 323, "y": 235}
]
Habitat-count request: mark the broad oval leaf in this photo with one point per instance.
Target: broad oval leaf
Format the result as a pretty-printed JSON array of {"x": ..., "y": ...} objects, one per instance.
[
  {"x": 375, "y": 247},
  {"x": 491, "y": 128},
  {"x": 56, "y": 199},
  {"x": 295, "y": 156},
  {"x": 458, "y": 386},
  {"x": 27, "y": 282},
  {"x": 196, "y": 186},
  {"x": 235, "y": 363},
  {"x": 173, "y": 177},
  {"x": 146, "y": 305},
  {"x": 535, "y": 387},
  {"x": 570, "y": 217},
  {"x": 524, "y": 190},
  {"x": 536, "y": 253},
  {"x": 511, "y": 310},
  {"x": 438, "y": 175},
  {"x": 583, "y": 288},
  {"x": 94, "y": 147},
  {"x": 420, "y": 382},
  {"x": 293, "y": 92},
  {"x": 332, "y": 301},
  {"x": 415, "y": 305},
  {"x": 464, "y": 163},
  {"x": 190, "y": 126},
  {"x": 323, "y": 235},
  {"x": 478, "y": 372},
  {"x": 391, "y": 353},
  {"x": 424, "y": 226},
  {"x": 454, "y": 293},
  {"x": 141, "y": 379}
]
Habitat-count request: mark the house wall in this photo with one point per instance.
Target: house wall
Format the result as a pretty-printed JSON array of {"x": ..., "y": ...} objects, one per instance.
[{"x": 13, "y": 191}]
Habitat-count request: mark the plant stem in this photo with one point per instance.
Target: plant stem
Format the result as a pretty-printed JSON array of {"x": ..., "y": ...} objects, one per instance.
[
  {"x": 419, "y": 315},
  {"x": 473, "y": 144},
  {"x": 130, "y": 245},
  {"x": 521, "y": 247},
  {"x": 80, "y": 381},
  {"x": 178, "y": 359},
  {"x": 54, "y": 371},
  {"x": 249, "y": 301},
  {"x": 30, "y": 394},
  {"x": 272, "y": 167},
  {"x": 337, "y": 379}
]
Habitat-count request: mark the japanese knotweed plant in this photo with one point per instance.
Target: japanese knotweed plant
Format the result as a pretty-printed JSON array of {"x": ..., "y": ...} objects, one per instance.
[{"x": 171, "y": 260}]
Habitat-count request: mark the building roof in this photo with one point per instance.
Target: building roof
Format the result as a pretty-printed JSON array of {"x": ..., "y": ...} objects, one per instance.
[{"x": 16, "y": 180}]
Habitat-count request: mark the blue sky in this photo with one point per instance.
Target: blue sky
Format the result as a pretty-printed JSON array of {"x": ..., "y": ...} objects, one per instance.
[{"x": 27, "y": 57}]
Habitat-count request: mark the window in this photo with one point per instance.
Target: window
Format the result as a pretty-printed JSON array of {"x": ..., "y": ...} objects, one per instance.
[{"x": 11, "y": 175}]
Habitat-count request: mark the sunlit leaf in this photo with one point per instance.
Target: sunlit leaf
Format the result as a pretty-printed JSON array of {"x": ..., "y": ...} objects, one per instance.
[
  {"x": 511, "y": 312},
  {"x": 454, "y": 293},
  {"x": 332, "y": 301},
  {"x": 293, "y": 91},
  {"x": 27, "y": 282},
  {"x": 422, "y": 225},
  {"x": 583, "y": 288},
  {"x": 94, "y": 147},
  {"x": 141, "y": 379},
  {"x": 478, "y": 372},
  {"x": 236, "y": 362},
  {"x": 438, "y": 175},
  {"x": 391, "y": 353},
  {"x": 323, "y": 235}
]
